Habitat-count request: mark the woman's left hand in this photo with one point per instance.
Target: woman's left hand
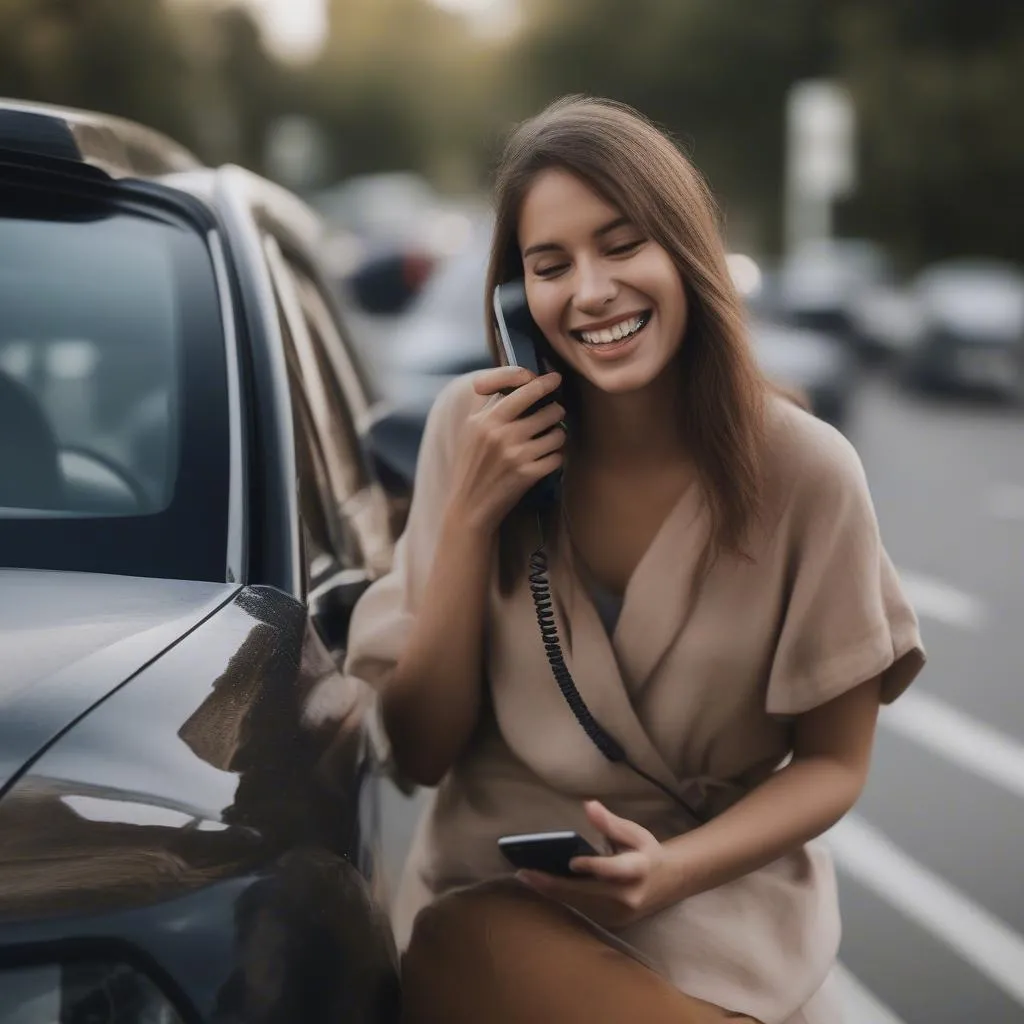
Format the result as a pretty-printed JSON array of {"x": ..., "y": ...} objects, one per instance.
[{"x": 614, "y": 891}]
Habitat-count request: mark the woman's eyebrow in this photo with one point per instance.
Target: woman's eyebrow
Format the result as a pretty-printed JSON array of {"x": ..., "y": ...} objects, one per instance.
[{"x": 555, "y": 247}]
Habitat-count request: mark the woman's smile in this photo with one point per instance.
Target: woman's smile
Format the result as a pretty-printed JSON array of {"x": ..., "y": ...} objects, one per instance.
[{"x": 615, "y": 341}]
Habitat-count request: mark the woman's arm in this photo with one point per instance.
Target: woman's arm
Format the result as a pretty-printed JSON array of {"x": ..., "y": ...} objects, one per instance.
[
  {"x": 821, "y": 783},
  {"x": 431, "y": 702},
  {"x": 831, "y": 756}
]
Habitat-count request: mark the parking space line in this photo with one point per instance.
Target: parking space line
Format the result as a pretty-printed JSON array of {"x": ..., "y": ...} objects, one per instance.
[
  {"x": 934, "y": 599},
  {"x": 860, "y": 1006},
  {"x": 980, "y": 939},
  {"x": 955, "y": 736}
]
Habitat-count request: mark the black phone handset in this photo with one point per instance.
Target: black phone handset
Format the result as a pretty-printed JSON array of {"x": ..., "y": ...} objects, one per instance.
[{"x": 523, "y": 344}]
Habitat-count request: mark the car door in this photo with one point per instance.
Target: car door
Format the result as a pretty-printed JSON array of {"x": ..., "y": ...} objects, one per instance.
[{"x": 330, "y": 396}]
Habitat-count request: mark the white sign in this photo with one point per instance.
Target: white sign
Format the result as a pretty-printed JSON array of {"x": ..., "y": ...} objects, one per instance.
[
  {"x": 820, "y": 158},
  {"x": 821, "y": 122}
]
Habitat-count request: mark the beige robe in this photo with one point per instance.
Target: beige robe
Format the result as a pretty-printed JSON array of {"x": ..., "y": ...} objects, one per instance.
[{"x": 699, "y": 685}]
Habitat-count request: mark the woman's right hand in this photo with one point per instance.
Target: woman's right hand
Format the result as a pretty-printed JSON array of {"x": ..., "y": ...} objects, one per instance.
[{"x": 501, "y": 456}]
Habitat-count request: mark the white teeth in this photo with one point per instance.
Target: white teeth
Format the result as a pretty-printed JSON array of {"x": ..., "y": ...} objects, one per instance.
[{"x": 614, "y": 333}]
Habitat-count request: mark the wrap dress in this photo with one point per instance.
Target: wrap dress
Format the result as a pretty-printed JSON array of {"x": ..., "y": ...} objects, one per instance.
[{"x": 699, "y": 679}]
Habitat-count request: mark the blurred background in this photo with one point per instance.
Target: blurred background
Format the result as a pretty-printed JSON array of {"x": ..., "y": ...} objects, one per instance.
[{"x": 868, "y": 159}]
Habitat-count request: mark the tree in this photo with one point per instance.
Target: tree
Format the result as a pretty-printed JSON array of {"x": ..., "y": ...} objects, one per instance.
[{"x": 121, "y": 58}]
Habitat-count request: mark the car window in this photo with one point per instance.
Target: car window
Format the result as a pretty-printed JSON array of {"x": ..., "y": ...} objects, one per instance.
[
  {"x": 329, "y": 541},
  {"x": 88, "y": 366},
  {"x": 335, "y": 407},
  {"x": 336, "y": 397},
  {"x": 327, "y": 545},
  {"x": 112, "y": 369}
]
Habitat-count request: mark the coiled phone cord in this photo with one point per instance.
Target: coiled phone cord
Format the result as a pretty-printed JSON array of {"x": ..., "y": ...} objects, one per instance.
[{"x": 540, "y": 590}]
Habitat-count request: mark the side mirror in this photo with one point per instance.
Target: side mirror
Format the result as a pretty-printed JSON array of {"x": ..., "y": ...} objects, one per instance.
[
  {"x": 385, "y": 285},
  {"x": 331, "y": 603},
  {"x": 392, "y": 441},
  {"x": 392, "y": 444}
]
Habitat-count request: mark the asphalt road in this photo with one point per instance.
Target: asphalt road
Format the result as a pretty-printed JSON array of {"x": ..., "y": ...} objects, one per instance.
[{"x": 931, "y": 861}]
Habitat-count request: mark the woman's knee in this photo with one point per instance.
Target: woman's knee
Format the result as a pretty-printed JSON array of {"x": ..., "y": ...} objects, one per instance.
[{"x": 476, "y": 921}]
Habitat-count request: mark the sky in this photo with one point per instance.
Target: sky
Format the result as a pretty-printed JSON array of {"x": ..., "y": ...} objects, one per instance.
[{"x": 295, "y": 28}]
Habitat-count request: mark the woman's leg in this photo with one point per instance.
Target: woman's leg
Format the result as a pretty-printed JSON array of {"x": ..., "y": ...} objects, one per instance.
[{"x": 501, "y": 954}]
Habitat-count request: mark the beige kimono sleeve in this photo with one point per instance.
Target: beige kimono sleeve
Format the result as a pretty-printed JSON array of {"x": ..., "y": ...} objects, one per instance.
[
  {"x": 846, "y": 619},
  {"x": 382, "y": 619}
]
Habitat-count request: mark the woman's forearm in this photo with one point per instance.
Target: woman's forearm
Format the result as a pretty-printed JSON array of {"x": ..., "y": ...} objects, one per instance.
[
  {"x": 432, "y": 701},
  {"x": 794, "y": 805}
]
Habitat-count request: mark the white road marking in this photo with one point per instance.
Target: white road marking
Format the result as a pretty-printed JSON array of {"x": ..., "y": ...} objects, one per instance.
[
  {"x": 1006, "y": 502},
  {"x": 982, "y": 940},
  {"x": 859, "y": 1005},
  {"x": 934, "y": 599},
  {"x": 955, "y": 736}
]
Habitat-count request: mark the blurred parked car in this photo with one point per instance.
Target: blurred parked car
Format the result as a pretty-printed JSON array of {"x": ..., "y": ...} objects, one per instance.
[
  {"x": 187, "y": 798},
  {"x": 387, "y": 234},
  {"x": 970, "y": 328},
  {"x": 442, "y": 336},
  {"x": 826, "y": 283}
]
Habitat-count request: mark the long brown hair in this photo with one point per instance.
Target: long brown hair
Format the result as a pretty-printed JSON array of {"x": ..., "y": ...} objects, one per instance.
[{"x": 628, "y": 161}]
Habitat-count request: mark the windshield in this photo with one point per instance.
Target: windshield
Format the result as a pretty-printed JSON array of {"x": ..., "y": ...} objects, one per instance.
[{"x": 97, "y": 302}]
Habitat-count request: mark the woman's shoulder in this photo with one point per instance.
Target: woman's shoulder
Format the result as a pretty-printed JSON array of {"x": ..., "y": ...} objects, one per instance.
[{"x": 807, "y": 462}]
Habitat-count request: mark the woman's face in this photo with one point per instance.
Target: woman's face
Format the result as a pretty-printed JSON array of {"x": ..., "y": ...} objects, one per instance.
[{"x": 608, "y": 299}]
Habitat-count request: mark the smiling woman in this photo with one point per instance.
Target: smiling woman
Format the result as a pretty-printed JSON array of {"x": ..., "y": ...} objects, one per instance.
[{"x": 731, "y": 623}]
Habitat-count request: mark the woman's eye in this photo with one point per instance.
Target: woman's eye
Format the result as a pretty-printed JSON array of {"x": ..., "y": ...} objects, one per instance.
[
  {"x": 626, "y": 248},
  {"x": 550, "y": 271}
]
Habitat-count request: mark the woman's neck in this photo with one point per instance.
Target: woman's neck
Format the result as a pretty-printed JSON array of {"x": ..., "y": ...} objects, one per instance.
[{"x": 632, "y": 429}]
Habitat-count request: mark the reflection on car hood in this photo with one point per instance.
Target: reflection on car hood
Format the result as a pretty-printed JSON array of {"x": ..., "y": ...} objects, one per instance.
[{"x": 68, "y": 639}]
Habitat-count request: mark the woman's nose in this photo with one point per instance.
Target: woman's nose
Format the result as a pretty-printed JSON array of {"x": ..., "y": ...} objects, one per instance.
[{"x": 595, "y": 287}]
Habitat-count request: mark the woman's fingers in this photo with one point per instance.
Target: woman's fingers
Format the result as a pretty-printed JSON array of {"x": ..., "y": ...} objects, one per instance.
[
  {"x": 513, "y": 405},
  {"x": 550, "y": 441},
  {"x": 621, "y": 867},
  {"x": 537, "y": 423},
  {"x": 621, "y": 831},
  {"x": 568, "y": 890},
  {"x": 501, "y": 379}
]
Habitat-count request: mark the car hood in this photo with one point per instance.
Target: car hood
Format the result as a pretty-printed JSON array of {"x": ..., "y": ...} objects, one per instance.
[{"x": 69, "y": 639}]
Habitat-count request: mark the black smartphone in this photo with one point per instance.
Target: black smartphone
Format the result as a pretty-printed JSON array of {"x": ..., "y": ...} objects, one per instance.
[
  {"x": 523, "y": 344},
  {"x": 545, "y": 851}
]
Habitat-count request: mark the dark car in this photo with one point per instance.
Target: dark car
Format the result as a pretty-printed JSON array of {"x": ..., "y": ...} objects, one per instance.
[
  {"x": 970, "y": 334},
  {"x": 188, "y": 798},
  {"x": 442, "y": 336},
  {"x": 825, "y": 283}
]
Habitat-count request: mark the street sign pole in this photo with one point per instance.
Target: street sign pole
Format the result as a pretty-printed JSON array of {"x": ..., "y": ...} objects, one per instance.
[{"x": 820, "y": 159}]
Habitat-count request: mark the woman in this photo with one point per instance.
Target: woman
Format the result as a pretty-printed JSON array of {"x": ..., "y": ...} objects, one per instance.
[{"x": 723, "y": 600}]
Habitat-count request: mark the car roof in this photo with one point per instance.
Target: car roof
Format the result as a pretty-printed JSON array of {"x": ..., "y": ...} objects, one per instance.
[
  {"x": 39, "y": 132},
  {"x": 95, "y": 144}
]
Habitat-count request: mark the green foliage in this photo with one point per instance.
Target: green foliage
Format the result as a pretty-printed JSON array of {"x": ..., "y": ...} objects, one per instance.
[
  {"x": 99, "y": 54},
  {"x": 936, "y": 84},
  {"x": 401, "y": 83}
]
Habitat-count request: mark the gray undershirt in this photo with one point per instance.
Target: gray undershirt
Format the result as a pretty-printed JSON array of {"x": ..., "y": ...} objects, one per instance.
[{"x": 607, "y": 603}]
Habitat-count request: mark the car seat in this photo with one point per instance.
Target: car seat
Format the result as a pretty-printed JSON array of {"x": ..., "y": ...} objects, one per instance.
[{"x": 30, "y": 474}]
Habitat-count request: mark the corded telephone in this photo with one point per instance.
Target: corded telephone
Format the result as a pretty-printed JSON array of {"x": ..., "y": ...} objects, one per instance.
[{"x": 523, "y": 344}]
